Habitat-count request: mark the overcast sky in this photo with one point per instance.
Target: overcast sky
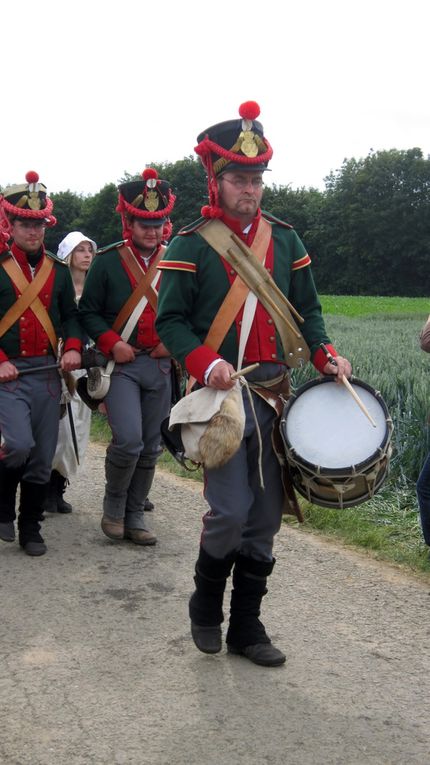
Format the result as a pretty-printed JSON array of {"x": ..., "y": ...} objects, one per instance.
[{"x": 89, "y": 91}]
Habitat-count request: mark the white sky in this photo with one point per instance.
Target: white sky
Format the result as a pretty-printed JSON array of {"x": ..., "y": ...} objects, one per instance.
[{"x": 91, "y": 89}]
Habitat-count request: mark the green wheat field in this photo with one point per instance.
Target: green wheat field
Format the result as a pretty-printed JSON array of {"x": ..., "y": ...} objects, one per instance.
[{"x": 380, "y": 338}]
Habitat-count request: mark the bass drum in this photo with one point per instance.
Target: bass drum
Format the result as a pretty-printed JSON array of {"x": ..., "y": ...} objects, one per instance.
[{"x": 337, "y": 458}]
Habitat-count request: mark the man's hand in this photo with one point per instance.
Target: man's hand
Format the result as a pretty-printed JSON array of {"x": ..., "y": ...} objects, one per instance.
[
  {"x": 70, "y": 360},
  {"x": 8, "y": 371},
  {"x": 220, "y": 376},
  {"x": 342, "y": 367},
  {"x": 123, "y": 352}
]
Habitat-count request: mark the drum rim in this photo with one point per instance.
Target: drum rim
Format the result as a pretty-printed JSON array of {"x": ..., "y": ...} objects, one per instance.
[
  {"x": 353, "y": 502},
  {"x": 378, "y": 453}
]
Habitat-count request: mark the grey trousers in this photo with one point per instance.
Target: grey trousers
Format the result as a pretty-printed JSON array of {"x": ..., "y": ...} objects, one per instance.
[
  {"x": 242, "y": 516},
  {"x": 137, "y": 402},
  {"x": 29, "y": 419}
]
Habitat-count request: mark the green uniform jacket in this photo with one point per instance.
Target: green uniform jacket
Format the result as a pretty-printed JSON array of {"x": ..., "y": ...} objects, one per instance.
[
  {"x": 194, "y": 283},
  {"x": 106, "y": 289}
]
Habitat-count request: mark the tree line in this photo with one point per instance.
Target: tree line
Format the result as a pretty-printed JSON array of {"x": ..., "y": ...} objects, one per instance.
[{"x": 367, "y": 232}]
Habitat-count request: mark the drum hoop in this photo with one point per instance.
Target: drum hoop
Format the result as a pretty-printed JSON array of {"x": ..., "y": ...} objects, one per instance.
[
  {"x": 358, "y": 468},
  {"x": 346, "y": 503}
]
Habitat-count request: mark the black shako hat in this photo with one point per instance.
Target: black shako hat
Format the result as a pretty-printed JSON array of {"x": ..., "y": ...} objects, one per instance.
[
  {"x": 28, "y": 200},
  {"x": 149, "y": 199},
  {"x": 232, "y": 145}
]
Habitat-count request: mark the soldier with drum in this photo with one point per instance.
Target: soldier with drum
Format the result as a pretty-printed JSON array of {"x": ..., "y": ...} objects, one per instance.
[{"x": 213, "y": 321}]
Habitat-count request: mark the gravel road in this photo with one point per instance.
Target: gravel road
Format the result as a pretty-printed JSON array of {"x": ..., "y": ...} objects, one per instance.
[{"x": 98, "y": 666}]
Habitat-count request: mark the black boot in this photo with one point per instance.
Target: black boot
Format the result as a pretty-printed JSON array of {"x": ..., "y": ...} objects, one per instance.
[
  {"x": 54, "y": 502},
  {"x": 50, "y": 501},
  {"x": 205, "y": 605},
  {"x": 9, "y": 480},
  {"x": 61, "y": 483},
  {"x": 246, "y": 634},
  {"x": 30, "y": 515}
]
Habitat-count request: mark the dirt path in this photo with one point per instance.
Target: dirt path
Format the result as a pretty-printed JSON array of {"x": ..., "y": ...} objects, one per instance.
[{"x": 98, "y": 666}]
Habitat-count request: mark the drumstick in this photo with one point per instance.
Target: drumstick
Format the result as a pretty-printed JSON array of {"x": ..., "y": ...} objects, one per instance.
[
  {"x": 348, "y": 386},
  {"x": 244, "y": 371},
  {"x": 30, "y": 370}
]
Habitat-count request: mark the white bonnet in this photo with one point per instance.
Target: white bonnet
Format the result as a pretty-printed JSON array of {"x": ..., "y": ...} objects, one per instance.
[{"x": 70, "y": 242}]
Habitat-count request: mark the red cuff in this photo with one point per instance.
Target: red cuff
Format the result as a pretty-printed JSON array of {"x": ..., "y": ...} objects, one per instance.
[
  {"x": 73, "y": 344},
  {"x": 198, "y": 361},
  {"x": 320, "y": 359},
  {"x": 3, "y": 356},
  {"x": 107, "y": 340}
]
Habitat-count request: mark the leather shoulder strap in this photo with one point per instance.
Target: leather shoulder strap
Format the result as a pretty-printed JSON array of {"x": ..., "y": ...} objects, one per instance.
[
  {"x": 238, "y": 291},
  {"x": 252, "y": 272},
  {"x": 29, "y": 298},
  {"x": 144, "y": 284}
]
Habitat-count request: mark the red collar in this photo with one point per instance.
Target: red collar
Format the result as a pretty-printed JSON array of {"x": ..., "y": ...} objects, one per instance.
[
  {"x": 135, "y": 250},
  {"x": 235, "y": 226},
  {"x": 21, "y": 255}
]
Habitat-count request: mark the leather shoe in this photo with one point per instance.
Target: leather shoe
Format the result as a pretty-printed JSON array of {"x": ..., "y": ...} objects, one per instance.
[
  {"x": 113, "y": 528},
  {"x": 264, "y": 654},
  {"x": 7, "y": 531},
  {"x": 207, "y": 638},
  {"x": 35, "y": 548},
  {"x": 140, "y": 536}
]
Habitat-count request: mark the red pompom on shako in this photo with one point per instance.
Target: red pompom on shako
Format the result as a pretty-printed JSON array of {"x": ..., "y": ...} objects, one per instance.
[
  {"x": 235, "y": 144},
  {"x": 148, "y": 173},
  {"x": 249, "y": 110},
  {"x": 32, "y": 176}
]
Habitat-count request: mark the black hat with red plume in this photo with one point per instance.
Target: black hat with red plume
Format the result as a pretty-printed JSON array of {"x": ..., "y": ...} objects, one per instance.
[
  {"x": 149, "y": 199},
  {"x": 28, "y": 200},
  {"x": 232, "y": 145}
]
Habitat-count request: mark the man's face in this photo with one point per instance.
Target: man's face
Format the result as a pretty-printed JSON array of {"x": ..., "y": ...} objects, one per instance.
[
  {"x": 146, "y": 237},
  {"x": 241, "y": 192},
  {"x": 28, "y": 234}
]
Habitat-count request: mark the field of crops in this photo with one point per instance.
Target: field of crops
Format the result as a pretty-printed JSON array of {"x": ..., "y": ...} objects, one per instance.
[{"x": 365, "y": 306}]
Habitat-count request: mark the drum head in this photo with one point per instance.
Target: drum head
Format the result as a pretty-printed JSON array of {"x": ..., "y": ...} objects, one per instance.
[{"x": 326, "y": 428}]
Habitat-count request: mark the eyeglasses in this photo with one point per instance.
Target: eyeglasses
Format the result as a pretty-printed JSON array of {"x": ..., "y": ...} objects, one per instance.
[{"x": 242, "y": 183}]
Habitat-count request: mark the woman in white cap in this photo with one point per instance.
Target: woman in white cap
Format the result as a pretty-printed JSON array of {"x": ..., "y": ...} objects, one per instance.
[{"x": 78, "y": 251}]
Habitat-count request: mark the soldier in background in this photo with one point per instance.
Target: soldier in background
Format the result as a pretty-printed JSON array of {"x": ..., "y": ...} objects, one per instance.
[
  {"x": 117, "y": 309},
  {"x": 37, "y": 307}
]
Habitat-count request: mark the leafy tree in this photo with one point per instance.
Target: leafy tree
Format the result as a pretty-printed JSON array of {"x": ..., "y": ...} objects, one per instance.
[
  {"x": 67, "y": 210},
  {"x": 99, "y": 220},
  {"x": 374, "y": 228}
]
